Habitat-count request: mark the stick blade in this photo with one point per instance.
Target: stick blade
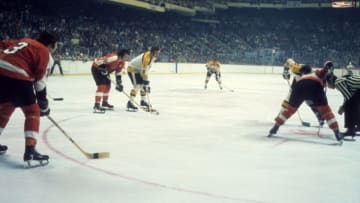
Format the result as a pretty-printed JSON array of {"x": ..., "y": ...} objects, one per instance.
[
  {"x": 58, "y": 99},
  {"x": 98, "y": 155}
]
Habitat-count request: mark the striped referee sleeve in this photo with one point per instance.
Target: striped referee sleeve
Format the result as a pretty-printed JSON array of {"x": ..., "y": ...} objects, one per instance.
[{"x": 348, "y": 85}]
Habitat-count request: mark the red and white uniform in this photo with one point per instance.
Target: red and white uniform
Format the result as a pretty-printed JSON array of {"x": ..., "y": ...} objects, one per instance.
[
  {"x": 112, "y": 63},
  {"x": 23, "y": 63},
  {"x": 29, "y": 63}
]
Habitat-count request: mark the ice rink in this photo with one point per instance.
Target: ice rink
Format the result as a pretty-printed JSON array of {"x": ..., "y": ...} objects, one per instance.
[{"x": 206, "y": 146}]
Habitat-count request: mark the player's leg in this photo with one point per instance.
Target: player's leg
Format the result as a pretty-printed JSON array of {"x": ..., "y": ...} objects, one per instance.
[
  {"x": 134, "y": 78},
  {"x": 100, "y": 88},
  {"x": 105, "y": 97}
]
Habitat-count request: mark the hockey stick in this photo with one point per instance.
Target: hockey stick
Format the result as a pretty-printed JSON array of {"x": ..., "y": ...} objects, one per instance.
[
  {"x": 148, "y": 98},
  {"x": 307, "y": 124},
  {"x": 97, "y": 155},
  {"x": 55, "y": 98},
  {"x": 231, "y": 90}
]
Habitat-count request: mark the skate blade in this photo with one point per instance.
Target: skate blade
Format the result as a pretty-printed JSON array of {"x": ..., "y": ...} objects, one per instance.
[
  {"x": 95, "y": 111},
  {"x": 108, "y": 109},
  {"x": 349, "y": 139},
  {"x": 131, "y": 110},
  {"x": 38, "y": 163},
  {"x": 2, "y": 152}
]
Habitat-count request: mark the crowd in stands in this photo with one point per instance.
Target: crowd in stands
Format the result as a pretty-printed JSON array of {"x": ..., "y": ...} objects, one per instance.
[{"x": 89, "y": 29}]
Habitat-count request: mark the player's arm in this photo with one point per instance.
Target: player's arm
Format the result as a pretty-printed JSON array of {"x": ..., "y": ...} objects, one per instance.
[
  {"x": 146, "y": 60},
  {"x": 40, "y": 81},
  {"x": 43, "y": 63},
  {"x": 112, "y": 62}
]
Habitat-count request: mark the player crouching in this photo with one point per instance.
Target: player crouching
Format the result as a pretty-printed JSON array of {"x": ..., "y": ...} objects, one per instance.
[
  {"x": 101, "y": 69},
  {"x": 310, "y": 87}
]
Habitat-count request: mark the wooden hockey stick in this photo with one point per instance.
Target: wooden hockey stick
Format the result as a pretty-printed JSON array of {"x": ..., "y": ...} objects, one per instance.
[
  {"x": 307, "y": 124},
  {"x": 226, "y": 87},
  {"x": 97, "y": 155},
  {"x": 148, "y": 98}
]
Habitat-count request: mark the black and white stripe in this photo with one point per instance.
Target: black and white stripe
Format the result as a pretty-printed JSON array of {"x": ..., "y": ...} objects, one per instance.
[{"x": 348, "y": 85}]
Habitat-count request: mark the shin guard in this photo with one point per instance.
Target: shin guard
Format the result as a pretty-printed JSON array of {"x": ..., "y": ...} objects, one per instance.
[
  {"x": 329, "y": 116},
  {"x": 285, "y": 114}
]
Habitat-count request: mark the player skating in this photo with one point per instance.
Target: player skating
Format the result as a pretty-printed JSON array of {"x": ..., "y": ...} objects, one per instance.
[
  {"x": 309, "y": 87},
  {"x": 138, "y": 72},
  {"x": 213, "y": 67},
  {"x": 23, "y": 65},
  {"x": 101, "y": 68}
]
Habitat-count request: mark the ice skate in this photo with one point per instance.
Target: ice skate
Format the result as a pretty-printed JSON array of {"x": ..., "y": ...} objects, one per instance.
[
  {"x": 3, "y": 149},
  {"x": 339, "y": 137},
  {"x": 148, "y": 108},
  {"x": 205, "y": 87},
  {"x": 273, "y": 130},
  {"x": 107, "y": 106},
  {"x": 34, "y": 158},
  {"x": 220, "y": 87},
  {"x": 349, "y": 133},
  {"x": 144, "y": 104},
  {"x": 131, "y": 107},
  {"x": 98, "y": 108}
]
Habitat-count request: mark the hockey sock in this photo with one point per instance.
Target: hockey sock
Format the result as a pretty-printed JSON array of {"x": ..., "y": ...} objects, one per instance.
[
  {"x": 285, "y": 114},
  {"x": 6, "y": 109},
  {"x": 329, "y": 116}
]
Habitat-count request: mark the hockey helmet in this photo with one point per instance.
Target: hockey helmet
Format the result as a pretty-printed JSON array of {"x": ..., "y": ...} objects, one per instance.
[
  {"x": 329, "y": 65},
  {"x": 305, "y": 69}
]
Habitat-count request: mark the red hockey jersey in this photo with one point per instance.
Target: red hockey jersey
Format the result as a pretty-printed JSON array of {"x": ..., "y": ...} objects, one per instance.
[
  {"x": 24, "y": 59},
  {"x": 111, "y": 62}
]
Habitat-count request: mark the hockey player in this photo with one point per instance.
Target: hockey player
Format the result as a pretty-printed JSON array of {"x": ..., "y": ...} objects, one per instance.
[
  {"x": 309, "y": 87},
  {"x": 349, "y": 87},
  {"x": 298, "y": 70},
  {"x": 138, "y": 72},
  {"x": 23, "y": 65},
  {"x": 213, "y": 67},
  {"x": 101, "y": 68}
]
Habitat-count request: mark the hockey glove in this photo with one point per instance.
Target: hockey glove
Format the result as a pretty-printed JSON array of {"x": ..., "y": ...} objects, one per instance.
[
  {"x": 286, "y": 73},
  {"x": 43, "y": 102},
  {"x": 146, "y": 86},
  {"x": 119, "y": 87}
]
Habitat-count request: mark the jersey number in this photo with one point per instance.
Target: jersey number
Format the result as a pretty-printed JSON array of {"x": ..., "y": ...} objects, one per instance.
[{"x": 16, "y": 48}]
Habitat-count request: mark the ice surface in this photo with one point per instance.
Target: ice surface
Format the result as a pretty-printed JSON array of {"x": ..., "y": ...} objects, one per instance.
[{"x": 205, "y": 146}]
